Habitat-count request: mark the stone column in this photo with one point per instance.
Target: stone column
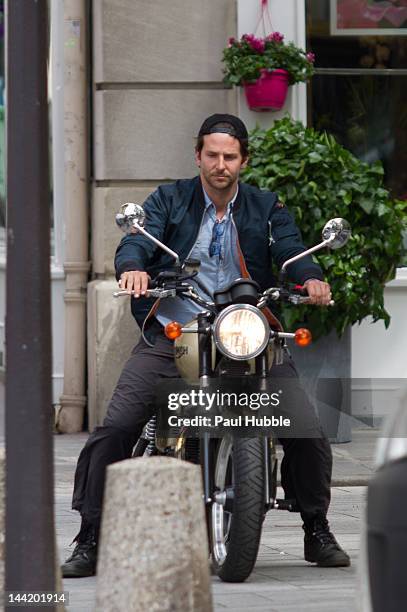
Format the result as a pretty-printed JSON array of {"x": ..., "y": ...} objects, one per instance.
[{"x": 153, "y": 552}]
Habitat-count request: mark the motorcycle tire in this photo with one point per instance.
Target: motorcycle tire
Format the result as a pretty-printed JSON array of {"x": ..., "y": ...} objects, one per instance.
[{"x": 235, "y": 537}]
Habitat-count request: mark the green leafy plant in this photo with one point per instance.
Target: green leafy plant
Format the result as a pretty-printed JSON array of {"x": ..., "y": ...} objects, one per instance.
[
  {"x": 318, "y": 179},
  {"x": 244, "y": 59}
]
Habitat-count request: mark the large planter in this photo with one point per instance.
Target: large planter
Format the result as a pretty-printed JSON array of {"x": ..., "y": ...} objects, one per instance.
[
  {"x": 269, "y": 92},
  {"x": 325, "y": 370}
]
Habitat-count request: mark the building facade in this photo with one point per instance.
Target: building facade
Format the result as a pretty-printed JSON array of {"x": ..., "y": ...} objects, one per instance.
[{"x": 131, "y": 82}]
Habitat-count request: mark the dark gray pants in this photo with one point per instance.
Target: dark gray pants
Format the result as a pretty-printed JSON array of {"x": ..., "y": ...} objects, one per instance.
[{"x": 305, "y": 470}]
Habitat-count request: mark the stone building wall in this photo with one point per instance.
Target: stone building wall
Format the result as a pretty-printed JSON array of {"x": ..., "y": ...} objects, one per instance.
[{"x": 156, "y": 75}]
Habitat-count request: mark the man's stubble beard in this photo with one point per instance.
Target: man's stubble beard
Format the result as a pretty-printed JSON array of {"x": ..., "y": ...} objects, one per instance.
[{"x": 211, "y": 179}]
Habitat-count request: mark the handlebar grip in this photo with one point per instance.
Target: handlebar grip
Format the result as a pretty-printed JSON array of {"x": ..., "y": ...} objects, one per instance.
[{"x": 304, "y": 300}]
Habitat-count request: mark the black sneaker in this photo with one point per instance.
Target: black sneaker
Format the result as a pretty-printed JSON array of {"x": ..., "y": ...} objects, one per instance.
[
  {"x": 83, "y": 560},
  {"x": 320, "y": 546}
]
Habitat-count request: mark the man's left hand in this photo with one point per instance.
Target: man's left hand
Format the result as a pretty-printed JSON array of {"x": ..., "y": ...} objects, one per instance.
[{"x": 318, "y": 291}]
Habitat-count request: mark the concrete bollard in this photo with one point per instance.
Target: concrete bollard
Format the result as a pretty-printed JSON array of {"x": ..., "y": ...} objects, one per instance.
[{"x": 153, "y": 551}]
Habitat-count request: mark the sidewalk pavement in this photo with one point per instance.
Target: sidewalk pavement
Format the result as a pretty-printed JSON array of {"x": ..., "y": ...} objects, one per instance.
[{"x": 282, "y": 581}]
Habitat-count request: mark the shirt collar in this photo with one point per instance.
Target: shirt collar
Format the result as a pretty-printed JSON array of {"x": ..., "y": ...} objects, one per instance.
[{"x": 208, "y": 201}]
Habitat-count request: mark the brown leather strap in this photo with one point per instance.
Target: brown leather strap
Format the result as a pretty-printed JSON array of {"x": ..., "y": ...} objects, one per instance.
[{"x": 271, "y": 318}]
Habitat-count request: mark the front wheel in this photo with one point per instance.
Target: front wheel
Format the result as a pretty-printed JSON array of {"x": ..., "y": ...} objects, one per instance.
[{"x": 237, "y": 515}]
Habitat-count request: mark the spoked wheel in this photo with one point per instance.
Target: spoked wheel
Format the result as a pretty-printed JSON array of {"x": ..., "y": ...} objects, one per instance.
[{"x": 238, "y": 511}]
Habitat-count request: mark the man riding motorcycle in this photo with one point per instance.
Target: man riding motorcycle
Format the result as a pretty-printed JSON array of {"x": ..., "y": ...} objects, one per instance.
[{"x": 234, "y": 230}]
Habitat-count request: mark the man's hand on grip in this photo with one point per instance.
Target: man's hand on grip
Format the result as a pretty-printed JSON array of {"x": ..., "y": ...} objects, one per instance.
[
  {"x": 134, "y": 281},
  {"x": 318, "y": 292}
]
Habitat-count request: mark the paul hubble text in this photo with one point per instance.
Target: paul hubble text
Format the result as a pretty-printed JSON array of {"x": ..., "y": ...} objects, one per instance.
[{"x": 220, "y": 421}]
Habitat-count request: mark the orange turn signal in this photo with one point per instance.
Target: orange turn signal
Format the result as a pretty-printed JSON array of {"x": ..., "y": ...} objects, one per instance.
[
  {"x": 173, "y": 330},
  {"x": 303, "y": 337}
]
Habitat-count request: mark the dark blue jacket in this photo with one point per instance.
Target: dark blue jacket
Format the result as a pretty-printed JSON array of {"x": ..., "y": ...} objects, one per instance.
[{"x": 266, "y": 232}]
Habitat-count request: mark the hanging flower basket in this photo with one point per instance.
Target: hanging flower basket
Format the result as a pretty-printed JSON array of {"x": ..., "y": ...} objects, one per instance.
[
  {"x": 265, "y": 67},
  {"x": 269, "y": 91}
]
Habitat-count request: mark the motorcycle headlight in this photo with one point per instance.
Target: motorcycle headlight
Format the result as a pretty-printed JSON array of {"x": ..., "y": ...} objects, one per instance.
[{"x": 241, "y": 332}]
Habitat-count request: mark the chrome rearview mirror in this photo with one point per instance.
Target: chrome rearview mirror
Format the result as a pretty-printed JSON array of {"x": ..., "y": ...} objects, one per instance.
[
  {"x": 131, "y": 220},
  {"x": 337, "y": 232},
  {"x": 129, "y": 217}
]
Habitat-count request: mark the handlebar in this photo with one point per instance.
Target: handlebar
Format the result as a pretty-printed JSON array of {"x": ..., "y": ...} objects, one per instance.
[
  {"x": 183, "y": 290},
  {"x": 158, "y": 293},
  {"x": 302, "y": 292},
  {"x": 297, "y": 295}
]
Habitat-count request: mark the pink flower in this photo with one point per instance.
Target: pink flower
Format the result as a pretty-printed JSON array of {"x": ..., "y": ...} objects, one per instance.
[
  {"x": 257, "y": 44},
  {"x": 310, "y": 57},
  {"x": 275, "y": 37}
]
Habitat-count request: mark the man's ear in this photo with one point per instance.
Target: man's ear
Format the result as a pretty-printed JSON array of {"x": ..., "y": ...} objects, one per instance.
[
  {"x": 198, "y": 158},
  {"x": 245, "y": 162}
]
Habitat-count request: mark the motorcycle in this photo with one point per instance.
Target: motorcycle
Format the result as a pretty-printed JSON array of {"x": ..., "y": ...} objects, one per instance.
[{"x": 231, "y": 338}]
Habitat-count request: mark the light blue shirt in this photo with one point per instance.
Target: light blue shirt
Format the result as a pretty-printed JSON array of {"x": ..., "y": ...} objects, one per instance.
[{"x": 214, "y": 273}]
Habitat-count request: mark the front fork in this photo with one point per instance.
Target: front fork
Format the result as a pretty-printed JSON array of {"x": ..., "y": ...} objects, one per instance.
[
  {"x": 207, "y": 449},
  {"x": 269, "y": 454},
  {"x": 205, "y": 372},
  {"x": 270, "y": 458},
  {"x": 270, "y": 472}
]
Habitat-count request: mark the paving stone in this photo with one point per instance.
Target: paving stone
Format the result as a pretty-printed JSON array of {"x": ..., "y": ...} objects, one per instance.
[{"x": 235, "y": 600}]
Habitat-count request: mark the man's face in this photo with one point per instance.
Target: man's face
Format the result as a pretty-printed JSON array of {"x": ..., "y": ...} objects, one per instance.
[{"x": 220, "y": 161}]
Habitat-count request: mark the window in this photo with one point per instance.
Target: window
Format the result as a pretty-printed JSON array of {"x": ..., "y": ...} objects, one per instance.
[{"x": 358, "y": 91}]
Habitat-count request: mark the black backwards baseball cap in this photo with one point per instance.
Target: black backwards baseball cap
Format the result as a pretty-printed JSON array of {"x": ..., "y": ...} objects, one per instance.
[{"x": 215, "y": 124}]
